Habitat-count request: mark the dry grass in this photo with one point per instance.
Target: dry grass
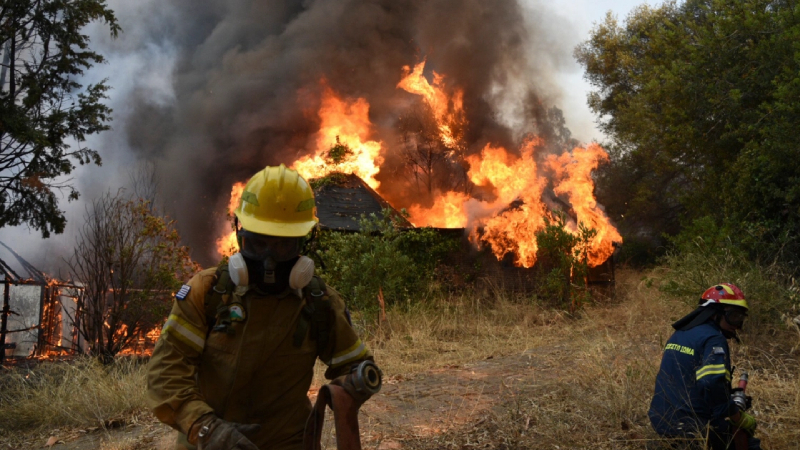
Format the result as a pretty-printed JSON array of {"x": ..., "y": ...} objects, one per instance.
[
  {"x": 117, "y": 441},
  {"x": 601, "y": 395},
  {"x": 80, "y": 393},
  {"x": 458, "y": 331},
  {"x": 596, "y": 396}
]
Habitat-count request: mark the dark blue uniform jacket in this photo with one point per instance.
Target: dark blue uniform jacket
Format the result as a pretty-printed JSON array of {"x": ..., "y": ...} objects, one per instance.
[{"x": 693, "y": 385}]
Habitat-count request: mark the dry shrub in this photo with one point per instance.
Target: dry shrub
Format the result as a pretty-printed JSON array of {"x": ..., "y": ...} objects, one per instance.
[{"x": 81, "y": 392}]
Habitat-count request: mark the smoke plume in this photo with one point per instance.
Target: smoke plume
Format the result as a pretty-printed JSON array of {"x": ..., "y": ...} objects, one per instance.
[
  {"x": 213, "y": 91},
  {"x": 248, "y": 76}
]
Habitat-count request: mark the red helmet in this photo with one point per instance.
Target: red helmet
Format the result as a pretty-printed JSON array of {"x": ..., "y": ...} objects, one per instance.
[{"x": 725, "y": 293}]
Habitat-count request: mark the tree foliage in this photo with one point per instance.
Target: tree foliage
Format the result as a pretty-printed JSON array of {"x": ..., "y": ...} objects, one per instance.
[
  {"x": 699, "y": 101},
  {"x": 45, "y": 114},
  {"x": 338, "y": 153},
  {"x": 130, "y": 262},
  {"x": 706, "y": 253}
]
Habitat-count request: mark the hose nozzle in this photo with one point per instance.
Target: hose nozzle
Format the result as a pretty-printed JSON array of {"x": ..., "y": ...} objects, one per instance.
[
  {"x": 739, "y": 397},
  {"x": 367, "y": 378}
]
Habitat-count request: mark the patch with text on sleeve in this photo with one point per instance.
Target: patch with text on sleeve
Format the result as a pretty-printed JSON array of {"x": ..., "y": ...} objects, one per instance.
[
  {"x": 717, "y": 350},
  {"x": 183, "y": 292}
]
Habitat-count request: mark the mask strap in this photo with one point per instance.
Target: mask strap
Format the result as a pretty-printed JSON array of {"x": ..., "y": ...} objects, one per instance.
[
  {"x": 238, "y": 231},
  {"x": 308, "y": 242}
]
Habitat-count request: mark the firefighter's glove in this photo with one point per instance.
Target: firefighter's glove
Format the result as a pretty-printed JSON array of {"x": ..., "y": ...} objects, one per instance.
[
  {"x": 212, "y": 433},
  {"x": 746, "y": 422}
]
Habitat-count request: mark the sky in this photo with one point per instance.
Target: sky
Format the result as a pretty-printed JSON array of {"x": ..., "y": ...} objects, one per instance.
[
  {"x": 149, "y": 71},
  {"x": 582, "y": 15}
]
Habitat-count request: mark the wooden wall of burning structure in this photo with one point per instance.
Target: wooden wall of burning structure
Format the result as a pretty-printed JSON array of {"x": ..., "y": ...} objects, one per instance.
[{"x": 35, "y": 311}]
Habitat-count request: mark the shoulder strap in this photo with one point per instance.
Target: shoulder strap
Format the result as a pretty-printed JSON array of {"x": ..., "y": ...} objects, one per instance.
[
  {"x": 316, "y": 315},
  {"x": 217, "y": 298}
]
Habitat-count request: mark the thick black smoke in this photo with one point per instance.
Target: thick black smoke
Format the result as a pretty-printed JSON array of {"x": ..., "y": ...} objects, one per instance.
[{"x": 247, "y": 83}]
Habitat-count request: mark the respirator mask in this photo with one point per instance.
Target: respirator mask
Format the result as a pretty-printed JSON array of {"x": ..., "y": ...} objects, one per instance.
[{"x": 270, "y": 262}]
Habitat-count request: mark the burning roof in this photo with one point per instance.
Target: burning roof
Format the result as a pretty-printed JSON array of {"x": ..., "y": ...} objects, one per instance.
[
  {"x": 13, "y": 267},
  {"x": 342, "y": 200}
]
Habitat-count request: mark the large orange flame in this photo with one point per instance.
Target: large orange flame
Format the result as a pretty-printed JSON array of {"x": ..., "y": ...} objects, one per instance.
[
  {"x": 514, "y": 196},
  {"x": 447, "y": 211},
  {"x": 448, "y": 112},
  {"x": 346, "y": 123},
  {"x": 518, "y": 180},
  {"x": 513, "y": 230},
  {"x": 573, "y": 178},
  {"x": 227, "y": 245}
]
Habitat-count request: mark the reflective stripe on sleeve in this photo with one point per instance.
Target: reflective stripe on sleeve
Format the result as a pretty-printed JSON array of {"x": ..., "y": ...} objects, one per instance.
[
  {"x": 357, "y": 351},
  {"x": 712, "y": 369},
  {"x": 185, "y": 332}
]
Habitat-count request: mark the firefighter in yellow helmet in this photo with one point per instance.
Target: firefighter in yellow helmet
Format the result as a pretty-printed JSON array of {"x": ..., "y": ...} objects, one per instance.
[{"x": 235, "y": 359}]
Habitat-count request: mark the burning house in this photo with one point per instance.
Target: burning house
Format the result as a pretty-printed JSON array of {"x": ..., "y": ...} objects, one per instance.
[
  {"x": 44, "y": 317},
  {"x": 447, "y": 108},
  {"x": 499, "y": 196},
  {"x": 38, "y": 311}
]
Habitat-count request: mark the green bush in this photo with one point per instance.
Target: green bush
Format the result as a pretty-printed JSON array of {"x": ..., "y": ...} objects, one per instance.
[
  {"x": 564, "y": 256},
  {"x": 640, "y": 252},
  {"x": 338, "y": 153},
  {"x": 381, "y": 258},
  {"x": 707, "y": 253}
]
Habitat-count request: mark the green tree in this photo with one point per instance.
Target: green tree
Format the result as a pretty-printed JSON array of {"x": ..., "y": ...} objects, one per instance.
[
  {"x": 565, "y": 258},
  {"x": 699, "y": 101},
  {"x": 45, "y": 114}
]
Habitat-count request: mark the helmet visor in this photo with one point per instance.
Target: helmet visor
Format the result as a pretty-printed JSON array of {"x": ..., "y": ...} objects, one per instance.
[{"x": 259, "y": 247}]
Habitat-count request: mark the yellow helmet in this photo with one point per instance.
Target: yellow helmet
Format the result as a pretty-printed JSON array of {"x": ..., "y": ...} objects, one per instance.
[{"x": 277, "y": 202}]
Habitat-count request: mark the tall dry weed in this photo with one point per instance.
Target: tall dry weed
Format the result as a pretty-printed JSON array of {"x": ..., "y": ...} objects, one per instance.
[
  {"x": 457, "y": 329},
  {"x": 81, "y": 392}
]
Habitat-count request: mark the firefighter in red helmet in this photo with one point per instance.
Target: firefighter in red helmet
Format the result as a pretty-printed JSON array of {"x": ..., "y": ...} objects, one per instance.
[{"x": 692, "y": 401}]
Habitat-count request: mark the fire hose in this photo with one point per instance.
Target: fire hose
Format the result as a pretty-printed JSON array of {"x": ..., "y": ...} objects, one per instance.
[
  {"x": 740, "y": 436},
  {"x": 366, "y": 378}
]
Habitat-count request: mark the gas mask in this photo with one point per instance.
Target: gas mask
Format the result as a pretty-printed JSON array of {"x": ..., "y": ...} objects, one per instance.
[{"x": 270, "y": 262}]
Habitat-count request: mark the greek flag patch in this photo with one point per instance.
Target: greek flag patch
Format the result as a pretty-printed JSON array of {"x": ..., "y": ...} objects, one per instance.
[
  {"x": 718, "y": 350},
  {"x": 183, "y": 292}
]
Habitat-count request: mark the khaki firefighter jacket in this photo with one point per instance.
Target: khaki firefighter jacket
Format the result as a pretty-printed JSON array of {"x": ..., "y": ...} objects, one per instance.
[{"x": 251, "y": 373}]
